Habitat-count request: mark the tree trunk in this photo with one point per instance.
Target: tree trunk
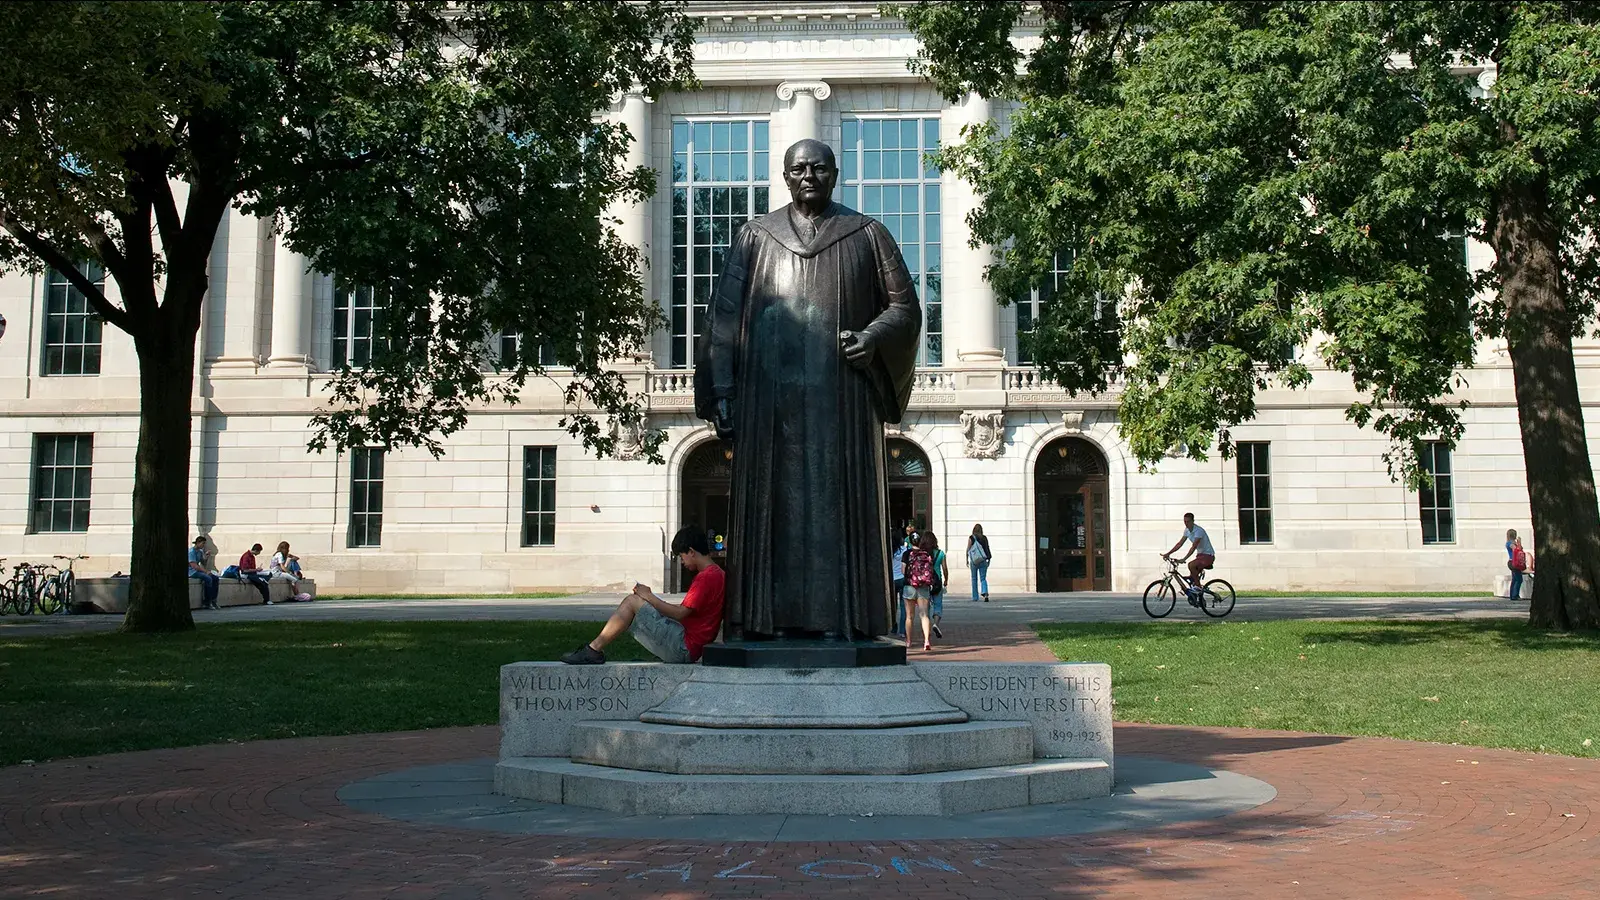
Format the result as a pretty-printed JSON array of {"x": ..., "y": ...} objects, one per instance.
[
  {"x": 1555, "y": 451},
  {"x": 158, "y": 598}
]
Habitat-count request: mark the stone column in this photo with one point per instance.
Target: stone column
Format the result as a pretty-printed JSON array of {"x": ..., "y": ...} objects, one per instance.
[
  {"x": 971, "y": 313},
  {"x": 291, "y": 309},
  {"x": 229, "y": 333},
  {"x": 803, "y": 121},
  {"x": 633, "y": 219}
]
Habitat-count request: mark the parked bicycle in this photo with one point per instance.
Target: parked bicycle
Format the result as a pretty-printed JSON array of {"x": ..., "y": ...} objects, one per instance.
[
  {"x": 21, "y": 593},
  {"x": 55, "y": 593},
  {"x": 1215, "y": 597}
]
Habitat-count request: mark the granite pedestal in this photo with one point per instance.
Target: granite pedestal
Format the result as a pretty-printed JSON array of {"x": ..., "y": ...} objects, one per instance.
[{"x": 918, "y": 739}]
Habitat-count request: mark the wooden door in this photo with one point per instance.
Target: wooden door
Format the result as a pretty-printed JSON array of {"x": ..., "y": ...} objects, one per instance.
[{"x": 1071, "y": 519}]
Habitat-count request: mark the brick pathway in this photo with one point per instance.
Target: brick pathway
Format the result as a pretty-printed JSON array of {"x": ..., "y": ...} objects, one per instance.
[{"x": 1354, "y": 817}]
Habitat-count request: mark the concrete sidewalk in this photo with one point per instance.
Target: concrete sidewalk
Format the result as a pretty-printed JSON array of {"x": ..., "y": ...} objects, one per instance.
[{"x": 1005, "y": 609}]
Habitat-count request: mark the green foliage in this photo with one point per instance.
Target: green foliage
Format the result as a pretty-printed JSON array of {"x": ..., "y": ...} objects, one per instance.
[
  {"x": 446, "y": 154},
  {"x": 1246, "y": 179},
  {"x": 1484, "y": 683}
]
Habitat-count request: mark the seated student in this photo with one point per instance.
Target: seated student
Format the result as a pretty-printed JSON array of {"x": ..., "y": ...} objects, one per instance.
[
  {"x": 199, "y": 568},
  {"x": 286, "y": 567},
  {"x": 251, "y": 572},
  {"x": 674, "y": 633}
]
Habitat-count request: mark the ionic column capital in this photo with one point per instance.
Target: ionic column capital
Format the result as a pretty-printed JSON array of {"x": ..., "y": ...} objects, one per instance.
[{"x": 818, "y": 89}]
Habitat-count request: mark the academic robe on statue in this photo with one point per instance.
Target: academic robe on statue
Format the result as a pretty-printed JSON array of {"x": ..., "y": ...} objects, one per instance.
[{"x": 807, "y": 530}]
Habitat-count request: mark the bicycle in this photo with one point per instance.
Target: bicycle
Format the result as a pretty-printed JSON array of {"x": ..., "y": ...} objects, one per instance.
[
  {"x": 23, "y": 589},
  {"x": 56, "y": 594},
  {"x": 8, "y": 597},
  {"x": 1215, "y": 598}
]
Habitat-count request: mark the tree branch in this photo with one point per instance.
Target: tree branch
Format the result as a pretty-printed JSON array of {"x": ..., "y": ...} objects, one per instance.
[{"x": 59, "y": 261}]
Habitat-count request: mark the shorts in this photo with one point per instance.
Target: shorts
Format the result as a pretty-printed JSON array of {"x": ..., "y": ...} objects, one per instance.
[
  {"x": 1205, "y": 560},
  {"x": 919, "y": 594},
  {"x": 660, "y": 635}
]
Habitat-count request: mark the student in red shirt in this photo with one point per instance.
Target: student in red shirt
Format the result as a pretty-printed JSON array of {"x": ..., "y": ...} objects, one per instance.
[
  {"x": 674, "y": 633},
  {"x": 250, "y": 571}
]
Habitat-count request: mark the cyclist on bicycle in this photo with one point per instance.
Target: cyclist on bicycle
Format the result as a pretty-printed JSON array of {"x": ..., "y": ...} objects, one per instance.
[{"x": 1199, "y": 547}]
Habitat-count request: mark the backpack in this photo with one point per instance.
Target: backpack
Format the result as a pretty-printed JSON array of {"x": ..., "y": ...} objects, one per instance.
[
  {"x": 919, "y": 568},
  {"x": 975, "y": 555},
  {"x": 1519, "y": 560}
]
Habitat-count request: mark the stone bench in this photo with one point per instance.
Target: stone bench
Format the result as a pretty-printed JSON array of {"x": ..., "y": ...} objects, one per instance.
[
  {"x": 1502, "y": 586},
  {"x": 111, "y": 594}
]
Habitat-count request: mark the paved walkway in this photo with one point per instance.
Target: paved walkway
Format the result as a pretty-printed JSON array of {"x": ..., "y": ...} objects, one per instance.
[
  {"x": 1013, "y": 609},
  {"x": 1353, "y": 817}
]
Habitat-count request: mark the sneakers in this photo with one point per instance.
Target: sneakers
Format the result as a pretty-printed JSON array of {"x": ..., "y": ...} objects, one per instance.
[
  {"x": 937, "y": 633},
  {"x": 584, "y": 656}
]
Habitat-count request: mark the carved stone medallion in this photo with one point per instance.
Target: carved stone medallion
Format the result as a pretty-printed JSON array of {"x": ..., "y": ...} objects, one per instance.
[{"x": 985, "y": 432}]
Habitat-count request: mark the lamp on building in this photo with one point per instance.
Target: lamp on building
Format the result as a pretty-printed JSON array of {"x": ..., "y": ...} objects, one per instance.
[
  {"x": 894, "y": 452},
  {"x": 594, "y": 507},
  {"x": 727, "y": 454}
]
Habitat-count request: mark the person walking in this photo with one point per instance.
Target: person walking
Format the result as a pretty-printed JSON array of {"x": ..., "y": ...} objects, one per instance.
[
  {"x": 199, "y": 569},
  {"x": 978, "y": 557},
  {"x": 897, "y": 568},
  {"x": 941, "y": 579},
  {"x": 918, "y": 590}
]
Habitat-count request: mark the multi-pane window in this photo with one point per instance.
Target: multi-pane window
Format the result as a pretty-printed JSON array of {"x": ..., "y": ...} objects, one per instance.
[
  {"x": 511, "y": 348},
  {"x": 71, "y": 327},
  {"x": 883, "y": 174},
  {"x": 1436, "y": 500},
  {"x": 366, "y": 497},
  {"x": 719, "y": 182},
  {"x": 1255, "y": 493},
  {"x": 61, "y": 466},
  {"x": 357, "y": 324},
  {"x": 538, "y": 496},
  {"x": 1030, "y": 309}
]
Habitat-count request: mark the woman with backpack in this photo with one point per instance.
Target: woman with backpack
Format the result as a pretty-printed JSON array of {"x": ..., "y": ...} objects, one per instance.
[
  {"x": 1521, "y": 564},
  {"x": 941, "y": 577},
  {"x": 978, "y": 556},
  {"x": 918, "y": 591}
]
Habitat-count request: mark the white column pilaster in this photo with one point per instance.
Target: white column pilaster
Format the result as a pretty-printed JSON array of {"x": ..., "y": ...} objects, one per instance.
[
  {"x": 802, "y": 121},
  {"x": 229, "y": 336},
  {"x": 291, "y": 309},
  {"x": 972, "y": 315},
  {"x": 633, "y": 220}
]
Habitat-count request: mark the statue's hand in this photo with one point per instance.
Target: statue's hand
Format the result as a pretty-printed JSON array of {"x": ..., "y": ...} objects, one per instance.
[
  {"x": 858, "y": 348},
  {"x": 724, "y": 423}
]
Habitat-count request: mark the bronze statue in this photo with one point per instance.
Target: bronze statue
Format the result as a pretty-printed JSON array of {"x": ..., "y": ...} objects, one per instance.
[{"x": 811, "y": 348}]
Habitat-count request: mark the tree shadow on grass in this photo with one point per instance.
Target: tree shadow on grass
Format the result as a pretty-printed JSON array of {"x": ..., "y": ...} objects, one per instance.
[{"x": 1506, "y": 634}]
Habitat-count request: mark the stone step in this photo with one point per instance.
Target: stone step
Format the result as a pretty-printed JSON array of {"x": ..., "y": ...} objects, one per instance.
[
  {"x": 632, "y": 792},
  {"x": 687, "y": 750}
]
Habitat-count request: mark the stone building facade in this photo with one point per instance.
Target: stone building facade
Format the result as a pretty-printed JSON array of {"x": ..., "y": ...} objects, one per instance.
[{"x": 516, "y": 504}]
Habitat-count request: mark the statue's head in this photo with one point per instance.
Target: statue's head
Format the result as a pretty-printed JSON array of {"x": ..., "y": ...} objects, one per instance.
[{"x": 810, "y": 173}]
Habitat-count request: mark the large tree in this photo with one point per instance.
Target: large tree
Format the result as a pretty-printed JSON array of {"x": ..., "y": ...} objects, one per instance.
[
  {"x": 1248, "y": 178},
  {"x": 444, "y": 154}
]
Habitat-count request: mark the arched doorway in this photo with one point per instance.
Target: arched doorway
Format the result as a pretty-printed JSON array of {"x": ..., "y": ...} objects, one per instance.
[
  {"x": 704, "y": 488},
  {"x": 1071, "y": 505},
  {"x": 910, "y": 484}
]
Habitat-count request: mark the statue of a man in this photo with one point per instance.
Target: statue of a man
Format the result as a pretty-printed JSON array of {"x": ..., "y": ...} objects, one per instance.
[{"x": 811, "y": 349}]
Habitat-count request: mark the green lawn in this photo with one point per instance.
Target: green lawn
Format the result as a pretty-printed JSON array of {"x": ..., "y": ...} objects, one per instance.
[
  {"x": 102, "y": 693},
  {"x": 1492, "y": 683}
]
